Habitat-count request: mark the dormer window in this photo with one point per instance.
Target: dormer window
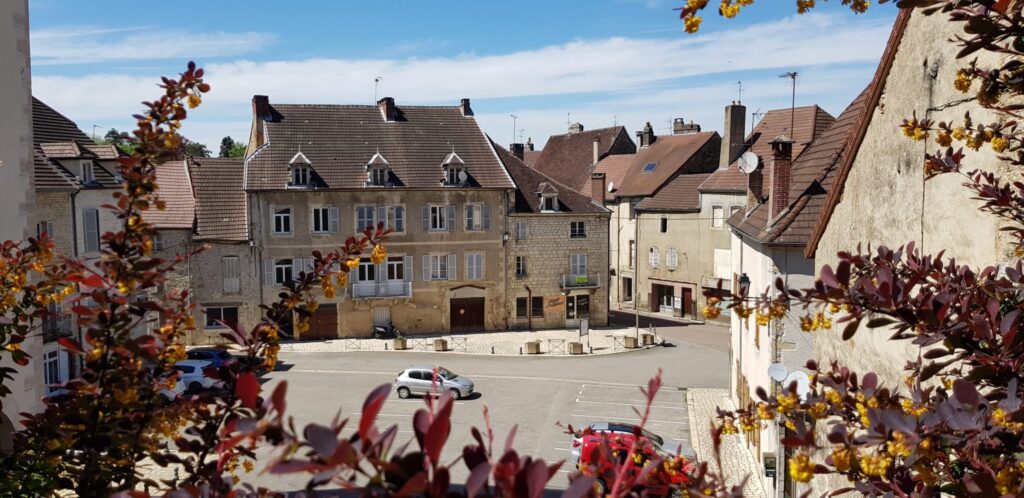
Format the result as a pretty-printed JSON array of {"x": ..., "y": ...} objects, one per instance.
[
  {"x": 87, "y": 175},
  {"x": 549, "y": 202},
  {"x": 377, "y": 171},
  {"x": 454, "y": 170},
  {"x": 301, "y": 171}
]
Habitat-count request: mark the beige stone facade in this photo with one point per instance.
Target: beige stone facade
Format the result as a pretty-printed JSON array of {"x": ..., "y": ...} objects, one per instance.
[
  {"x": 224, "y": 275},
  {"x": 54, "y": 212},
  {"x": 622, "y": 237},
  {"x": 553, "y": 277}
]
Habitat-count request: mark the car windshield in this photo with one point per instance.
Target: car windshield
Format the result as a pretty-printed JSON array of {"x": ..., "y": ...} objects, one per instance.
[
  {"x": 629, "y": 429},
  {"x": 445, "y": 373}
]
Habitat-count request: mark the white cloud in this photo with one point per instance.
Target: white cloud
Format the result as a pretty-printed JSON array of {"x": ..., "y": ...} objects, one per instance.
[
  {"x": 637, "y": 78},
  {"x": 83, "y": 45}
]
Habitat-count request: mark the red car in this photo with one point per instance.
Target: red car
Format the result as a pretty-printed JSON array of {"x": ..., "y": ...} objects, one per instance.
[{"x": 675, "y": 472}]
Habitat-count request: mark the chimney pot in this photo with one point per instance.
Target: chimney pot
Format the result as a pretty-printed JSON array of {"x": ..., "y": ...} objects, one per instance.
[
  {"x": 517, "y": 150},
  {"x": 575, "y": 128},
  {"x": 646, "y": 136},
  {"x": 466, "y": 109},
  {"x": 261, "y": 107},
  {"x": 529, "y": 143},
  {"x": 387, "y": 108},
  {"x": 598, "y": 187},
  {"x": 597, "y": 150},
  {"x": 733, "y": 134}
]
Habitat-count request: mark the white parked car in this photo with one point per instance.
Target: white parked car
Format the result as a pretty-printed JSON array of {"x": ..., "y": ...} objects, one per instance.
[
  {"x": 190, "y": 375},
  {"x": 172, "y": 394},
  {"x": 420, "y": 381}
]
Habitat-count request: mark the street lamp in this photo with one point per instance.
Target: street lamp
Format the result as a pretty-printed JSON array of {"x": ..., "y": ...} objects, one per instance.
[{"x": 744, "y": 284}]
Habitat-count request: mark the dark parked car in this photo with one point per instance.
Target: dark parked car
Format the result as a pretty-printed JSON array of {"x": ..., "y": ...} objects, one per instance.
[{"x": 218, "y": 357}]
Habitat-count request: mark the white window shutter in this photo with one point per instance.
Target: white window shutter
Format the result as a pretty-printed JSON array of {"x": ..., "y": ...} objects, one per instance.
[
  {"x": 297, "y": 268},
  {"x": 92, "y": 229},
  {"x": 426, "y": 267},
  {"x": 451, "y": 217},
  {"x": 268, "y": 272},
  {"x": 480, "y": 271},
  {"x": 426, "y": 218},
  {"x": 487, "y": 216},
  {"x": 382, "y": 215},
  {"x": 453, "y": 270},
  {"x": 334, "y": 216},
  {"x": 469, "y": 216},
  {"x": 408, "y": 269}
]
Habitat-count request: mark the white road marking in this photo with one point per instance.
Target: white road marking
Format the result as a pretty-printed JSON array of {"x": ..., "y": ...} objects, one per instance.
[
  {"x": 616, "y": 385},
  {"x": 637, "y": 406},
  {"x": 562, "y": 449},
  {"x": 584, "y": 415}
]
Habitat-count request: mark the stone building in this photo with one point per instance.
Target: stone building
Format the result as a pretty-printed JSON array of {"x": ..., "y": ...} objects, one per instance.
[
  {"x": 556, "y": 265},
  {"x": 316, "y": 174},
  {"x": 786, "y": 193}
]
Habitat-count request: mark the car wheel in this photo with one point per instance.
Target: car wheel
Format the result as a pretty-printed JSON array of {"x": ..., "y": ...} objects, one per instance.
[
  {"x": 600, "y": 488},
  {"x": 194, "y": 386},
  {"x": 456, "y": 394},
  {"x": 403, "y": 392}
]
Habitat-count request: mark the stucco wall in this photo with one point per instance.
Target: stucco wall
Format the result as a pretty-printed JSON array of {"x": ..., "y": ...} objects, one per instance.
[
  {"x": 427, "y": 311},
  {"x": 621, "y": 231},
  {"x": 548, "y": 249}
]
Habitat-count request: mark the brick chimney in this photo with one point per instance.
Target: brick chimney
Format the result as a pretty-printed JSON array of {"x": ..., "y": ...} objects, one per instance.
[
  {"x": 779, "y": 171},
  {"x": 517, "y": 150},
  {"x": 597, "y": 187},
  {"x": 646, "y": 136},
  {"x": 597, "y": 150},
  {"x": 387, "y": 108},
  {"x": 466, "y": 109},
  {"x": 733, "y": 134},
  {"x": 680, "y": 127},
  {"x": 260, "y": 110},
  {"x": 575, "y": 128},
  {"x": 529, "y": 143}
]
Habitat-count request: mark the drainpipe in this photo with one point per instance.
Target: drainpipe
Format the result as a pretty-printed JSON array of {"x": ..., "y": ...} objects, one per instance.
[
  {"x": 504, "y": 245},
  {"x": 636, "y": 271}
]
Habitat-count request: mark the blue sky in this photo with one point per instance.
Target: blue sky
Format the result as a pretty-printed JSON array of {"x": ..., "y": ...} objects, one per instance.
[{"x": 599, "y": 62}]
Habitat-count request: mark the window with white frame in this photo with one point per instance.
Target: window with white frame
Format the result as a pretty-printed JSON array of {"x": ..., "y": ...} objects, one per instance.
[
  {"x": 723, "y": 264},
  {"x": 282, "y": 271},
  {"x": 578, "y": 264},
  {"x": 379, "y": 176},
  {"x": 452, "y": 175},
  {"x": 229, "y": 272},
  {"x": 549, "y": 202},
  {"x": 91, "y": 232},
  {"x": 522, "y": 230},
  {"x": 52, "y": 374},
  {"x": 654, "y": 258},
  {"x": 282, "y": 221},
  {"x": 438, "y": 267},
  {"x": 438, "y": 217},
  {"x": 672, "y": 258},
  {"x": 366, "y": 216},
  {"x": 44, "y": 227},
  {"x": 396, "y": 218},
  {"x": 577, "y": 230},
  {"x": 477, "y": 216},
  {"x": 367, "y": 271},
  {"x": 520, "y": 266},
  {"x": 733, "y": 210},
  {"x": 88, "y": 175},
  {"x": 220, "y": 316},
  {"x": 632, "y": 253},
  {"x": 158, "y": 241},
  {"x": 474, "y": 266},
  {"x": 395, "y": 268},
  {"x": 664, "y": 225},
  {"x": 717, "y": 217},
  {"x": 324, "y": 219},
  {"x": 300, "y": 175}
]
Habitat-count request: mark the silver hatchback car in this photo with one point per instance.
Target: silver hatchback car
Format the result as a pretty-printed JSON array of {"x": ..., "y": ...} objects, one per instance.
[{"x": 420, "y": 381}]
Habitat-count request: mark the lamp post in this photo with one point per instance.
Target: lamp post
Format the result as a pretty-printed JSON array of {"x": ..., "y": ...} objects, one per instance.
[{"x": 744, "y": 284}]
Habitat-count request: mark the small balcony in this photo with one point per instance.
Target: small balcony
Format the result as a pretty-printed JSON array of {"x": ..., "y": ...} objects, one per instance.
[
  {"x": 591, "y": 281},
  {"x": 55, "y": 327},
  {"x": 377, "y": 290}
]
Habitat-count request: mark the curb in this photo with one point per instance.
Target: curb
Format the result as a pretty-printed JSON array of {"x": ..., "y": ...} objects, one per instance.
[{"x": 488, "y": 355}]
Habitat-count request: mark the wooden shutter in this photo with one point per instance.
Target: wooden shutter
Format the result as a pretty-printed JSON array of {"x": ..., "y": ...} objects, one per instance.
[
  {"x": 296, "y": 268},
  {"x": 334, "y": 215},
  {"x": 453, "y": 270},
  {"x": 426, "y": 267},
  {"x": 451, "y": 217},
  {"x": 268, "y": 272},
  {"x": 230, "y": 273},
  {"x": 486, "y": 216},
  {"x": 408, "y": 269},
  {"x": 426, "y": 218},
  {"x": 382, "y": 215},
  {"x": 91, "y": 220}
]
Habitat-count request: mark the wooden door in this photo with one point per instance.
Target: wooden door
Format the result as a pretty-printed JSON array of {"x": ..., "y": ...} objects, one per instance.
[
  {"x": 467, "y": 314},
  {"x": 687, "y": 302},
  {"x": 323, "y": 324}
]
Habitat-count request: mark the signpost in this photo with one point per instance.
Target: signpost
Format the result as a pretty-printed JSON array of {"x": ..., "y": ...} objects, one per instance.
[{"x": 585, "y": 330}]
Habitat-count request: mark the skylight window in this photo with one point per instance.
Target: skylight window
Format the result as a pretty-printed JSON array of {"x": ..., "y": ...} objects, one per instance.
[{"x": 649, "y": 167}]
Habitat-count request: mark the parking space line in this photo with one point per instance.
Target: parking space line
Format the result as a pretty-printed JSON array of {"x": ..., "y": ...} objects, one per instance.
[
  {"x": 629, "y": 404},
  {"x": 584, "y": 415},
  {"x": 631, "y": 400}
]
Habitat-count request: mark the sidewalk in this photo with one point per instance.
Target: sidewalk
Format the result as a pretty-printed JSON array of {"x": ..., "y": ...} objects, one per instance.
[
  {"x": 737, "y": 460},
  {"x": 555, "y": 342}
]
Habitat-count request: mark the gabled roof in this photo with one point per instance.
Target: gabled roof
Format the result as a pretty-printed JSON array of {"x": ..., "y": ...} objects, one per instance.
[
  {"x": 809, "y": 122},
  {"x": 678, "y": 195},
  {"x": 615, "y": 168},
  {"x": 874, "y": 93},
  {"x": 176, "y": 191},
  {"x": 338, "y": 139},
  {"x": 569, "y": 158},
  {"x": 529, "y": 182},
  {"x": 377, "y": 159},
  {"x": 812, "y": 178},
  {"x": 220, "y": 201},
  {"x": 670, "y": 155},
  {"x": 299, "y": 158},
  {"x": 49, "y": 126}
]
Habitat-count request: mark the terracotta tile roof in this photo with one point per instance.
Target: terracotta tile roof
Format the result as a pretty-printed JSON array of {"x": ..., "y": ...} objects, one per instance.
[
  {"x": 812, "y": 178},
  {"x": 678, "y": 195},
  {"x": 615, "y": 169},
  {"x": 530, "y": 157},
  {"x": 569, "y": 158},
  {"x": 339, "y": 140},
  {"x": 809, "y": 123},
  {"x": 874, "y": 92},
  {"x": 176, "y": 191},
  {"x": 65, "y": 150},
  {"x": 220, "y": 201},
  {"x": 530, "y": 181},
  {"x": 108, "y": 151},
  {"x": 669, "y": 155}
]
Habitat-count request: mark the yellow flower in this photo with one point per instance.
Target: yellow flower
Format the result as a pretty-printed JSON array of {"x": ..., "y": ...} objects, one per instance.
[
  {"x": 302, "y": 326},
  {"x": 352, "y": 263},
  {"x": 712, "y": 312},
  {"x": 818, "y": 410},
  {"x": 841, "y": 458},
  {"x": 14, "y": 346},
  {"x": 764, "y": 412},
  {"x": 342, "y": 279},
  {"x": 312, "y": 306},
  {"x": 859, "y": 6},
  {"x": 999, "y": 144},
  {"x": 942, "y": 138},
  {"x": 963, "y": 81},
  {"x": 959, "y": 133},
  {"x": 379, "y": 254},
  {"x": 800, "y": 468},
  {"x": 898, "y": 445},
  {"x": 194, "y": 101},
  {"x": 802, "y": 6},
  {"x": 729, "y": 428},
  {"x": 247, "y": 465},
  {"x": 875, "y": 464},
  {"x": 787, "y": 401},
  {"x": 691, "y": 23},
  {"x": 727, "y": 10}
]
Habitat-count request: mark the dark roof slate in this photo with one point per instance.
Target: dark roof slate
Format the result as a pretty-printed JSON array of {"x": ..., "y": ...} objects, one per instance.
[
  {"x": 220, "y": 201},
  {"x": 529, "y": 182},
  {"x": 678, "y": 195},
  {"x": 175, "y": 189},
  {"x": 339, "y": 140},
  {"x": 671, "y": 154},
  {"x": 569, "y": 158}
]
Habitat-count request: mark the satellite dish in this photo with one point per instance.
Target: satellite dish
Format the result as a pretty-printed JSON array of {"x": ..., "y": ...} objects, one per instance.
[
  {"x": 747, "y": 162},
  {"x": 463, "y": 176},
  {"x": 611, "y": 186},
  {"x": 778, "y": 372},
  {"x": 803, "y": 383}
]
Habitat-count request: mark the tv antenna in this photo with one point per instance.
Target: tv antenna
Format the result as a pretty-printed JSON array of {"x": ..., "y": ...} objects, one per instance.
[
  {"x": 739, "y": 93},
  {"x": 521, "y": 130},
  {"x": 376, "y": 88},
  {"x": 615, "y": 120},
  {"x": 514, "y": 118},
  {"x": 568, "y": 119},
  {"x": 792, "y": 107}
]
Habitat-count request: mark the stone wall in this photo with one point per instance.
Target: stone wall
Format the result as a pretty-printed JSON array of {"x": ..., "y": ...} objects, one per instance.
[
  {"x": 548, "y": 249},
  {"x": 55, "y": 208},
  {"x": 207, "y": 271}
]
